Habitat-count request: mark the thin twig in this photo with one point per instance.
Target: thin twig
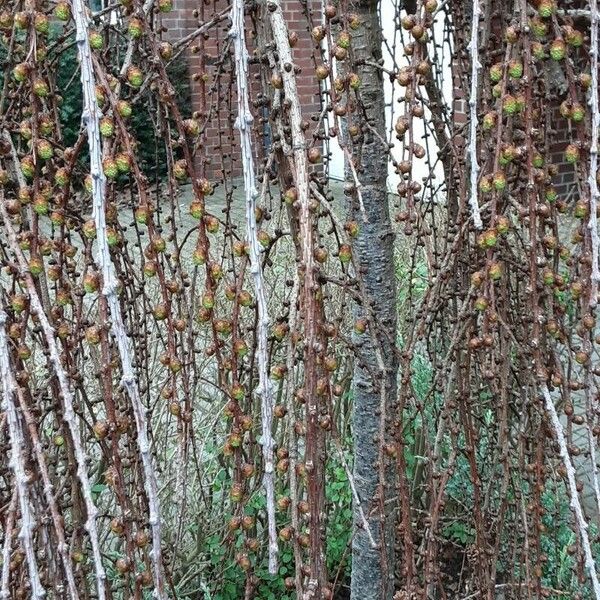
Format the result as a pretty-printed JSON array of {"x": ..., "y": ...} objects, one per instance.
[
  {"x": 593, "y": 182},
  {"x": 9, "y": 525},
  {"x": 68, "y": 400}
]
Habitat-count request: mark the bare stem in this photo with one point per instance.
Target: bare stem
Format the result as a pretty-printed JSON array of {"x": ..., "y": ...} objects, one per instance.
[
  {"x": 244, "y": 125},
  {"x": 580, "y": 521},
  {"x": 472, "y": 148},
  {"x": 68, "y": 400},
  {"x": 9, "y": 525},
  {"x": 90, "y": 116},
  {"x": 593, "y": 182},
  {"x": 17, "y": 463}
]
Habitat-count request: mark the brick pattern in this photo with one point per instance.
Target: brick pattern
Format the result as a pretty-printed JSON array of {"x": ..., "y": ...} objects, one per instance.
[
  {"x": 565, "y": 181},
  {"x": 211, "y": 71},
  {"x": 210, "y": 63}
]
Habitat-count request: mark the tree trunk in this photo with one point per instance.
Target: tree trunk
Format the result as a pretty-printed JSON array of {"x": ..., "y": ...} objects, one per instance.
[{"x": 376, "y": 368}]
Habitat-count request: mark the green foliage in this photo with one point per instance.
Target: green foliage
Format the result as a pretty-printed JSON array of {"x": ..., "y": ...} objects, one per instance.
[
  {"x": 151, "y": 151},
  {"x": 339, "y": 527},
  {"x": 561, "y": 567},
  {"x": 459, "y": 532},
  {"x": 221, "y": 578}
]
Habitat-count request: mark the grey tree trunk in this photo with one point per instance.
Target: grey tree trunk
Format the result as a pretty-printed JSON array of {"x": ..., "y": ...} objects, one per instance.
[{"x": 376, "y": 366}]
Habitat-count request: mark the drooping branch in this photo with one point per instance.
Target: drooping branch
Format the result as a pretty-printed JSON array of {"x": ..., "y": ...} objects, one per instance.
[
  {"x": 17, "y": 464},
  {"x": 91, "y": 117},
  {"x": 463, "y": 304},
  {"x": 309, "y": 289},
  {"x": 244, "y": 123},
  {"x": 593, "y": 174},
  {"x": 68, "y": 400},
  {"x": 582, "y": 525},
  {"x": 9, "y": 525},
  {"x": 49, "y": 494},
  {"x": 358, "y": 504},
  {"x": 473, "y": 121}
]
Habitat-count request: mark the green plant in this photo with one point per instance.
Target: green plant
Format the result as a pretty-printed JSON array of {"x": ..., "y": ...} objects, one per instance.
[
  {"x": 339, "y": 527},
  {"x": 557, "y": 543},
  {"x": 150, "y": 146}
]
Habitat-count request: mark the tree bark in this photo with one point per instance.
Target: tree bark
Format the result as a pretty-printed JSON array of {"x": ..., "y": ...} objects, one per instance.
[{"x": 375, "y": 372}]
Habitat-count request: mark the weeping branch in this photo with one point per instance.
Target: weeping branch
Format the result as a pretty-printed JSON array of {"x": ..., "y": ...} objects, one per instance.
[
  {"x": 91, "y": 116},
  {"x": 593, "y": 174},
  {"x": 18, "y": 465},
  {"x": 473, "y": 121},
  {"x": 582, "y": 526},
  {"x": 68, "y": 400},
  {"x": 244, "y": 125},
  {"x": 316, "y": 581},
  {"x": 9, "y": 525}
]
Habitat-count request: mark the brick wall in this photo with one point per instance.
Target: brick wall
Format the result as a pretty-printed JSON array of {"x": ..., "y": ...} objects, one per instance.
[
  {"x": 211, "y": 72},
  {"x": 565, "y": 180}
]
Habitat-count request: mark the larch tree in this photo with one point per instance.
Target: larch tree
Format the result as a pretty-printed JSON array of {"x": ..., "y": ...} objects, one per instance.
[{"x": 227, "y": 375}]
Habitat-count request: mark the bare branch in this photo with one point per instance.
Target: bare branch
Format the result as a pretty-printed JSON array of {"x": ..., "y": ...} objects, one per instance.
[
  {"x": 17, "y": 464},
  {"x": 593, "y": 174},
  {"x": 473, "y": 121},
  {"x": 580, "y": 521},
  {"x": 244, "y": 125},
  {"x": 91, "y": 116},
  {"x": 69, "y": 403}
]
